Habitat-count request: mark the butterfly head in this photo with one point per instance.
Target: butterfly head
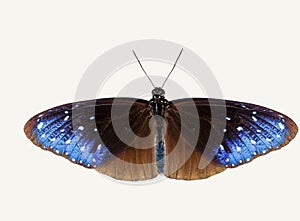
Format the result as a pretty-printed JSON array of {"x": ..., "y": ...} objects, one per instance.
[{"x": 158, "y": 91}]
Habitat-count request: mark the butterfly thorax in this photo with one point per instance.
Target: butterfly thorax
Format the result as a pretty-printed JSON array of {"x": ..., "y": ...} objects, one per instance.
[{"x": 158, "y": 101}]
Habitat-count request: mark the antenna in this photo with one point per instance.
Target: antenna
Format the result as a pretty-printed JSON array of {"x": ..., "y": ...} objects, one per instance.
[
  {"x": 168, "y": 74},
  {"x": 143, "y": 68},
  {"x": 172, "y": 68}
]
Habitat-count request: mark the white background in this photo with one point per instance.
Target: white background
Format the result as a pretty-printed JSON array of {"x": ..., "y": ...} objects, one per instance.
[{"x": 253, "y": 49}]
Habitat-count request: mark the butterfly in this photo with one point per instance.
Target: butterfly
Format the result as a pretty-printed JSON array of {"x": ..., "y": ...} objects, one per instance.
[{"x": 134, "y": 139}]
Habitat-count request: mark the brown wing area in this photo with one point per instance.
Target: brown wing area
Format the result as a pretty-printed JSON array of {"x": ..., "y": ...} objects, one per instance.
[
  {"x": 179, "y": 149},
  {"x": 134, "y": 159}
]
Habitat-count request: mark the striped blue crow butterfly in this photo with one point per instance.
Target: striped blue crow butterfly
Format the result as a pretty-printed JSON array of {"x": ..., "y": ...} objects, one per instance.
[{"x": 85, "y": 133}]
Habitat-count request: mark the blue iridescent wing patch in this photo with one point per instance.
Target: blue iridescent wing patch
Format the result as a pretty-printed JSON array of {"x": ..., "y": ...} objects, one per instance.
[
  {"x": 71, "y": 136},
  {"x": 252, "y": 131}
]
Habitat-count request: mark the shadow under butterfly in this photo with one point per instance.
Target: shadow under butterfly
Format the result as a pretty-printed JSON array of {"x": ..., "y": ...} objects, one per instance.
[{"x": 84, "y": 133}]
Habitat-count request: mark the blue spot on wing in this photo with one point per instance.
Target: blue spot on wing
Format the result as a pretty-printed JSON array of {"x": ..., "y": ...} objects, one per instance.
[
  {"x": 73, "y": 137},
  {"x": 253, "y": 132}
]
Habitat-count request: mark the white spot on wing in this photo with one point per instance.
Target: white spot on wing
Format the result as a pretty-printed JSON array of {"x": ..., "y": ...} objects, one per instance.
[
  {"x": 228, "y": 118},
  {"x": 40, "y": 125},
  {"x": 68, "y": 141},
  {"x": 238, "y": 149},
  {"x": 80, "y": 128},
  {"x": 239, "y": 128},
  {"x": 254, "y": 118},
  {"x": 253, "y": 141},
  {"x": 66, "y": 118},
  {"x": 281, "y": 126}
]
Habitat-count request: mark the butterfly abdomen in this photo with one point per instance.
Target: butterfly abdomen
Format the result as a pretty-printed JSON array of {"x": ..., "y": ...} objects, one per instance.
[
  {"x": 160, "y": 156},
  {"x": 159, "y": 144}
]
